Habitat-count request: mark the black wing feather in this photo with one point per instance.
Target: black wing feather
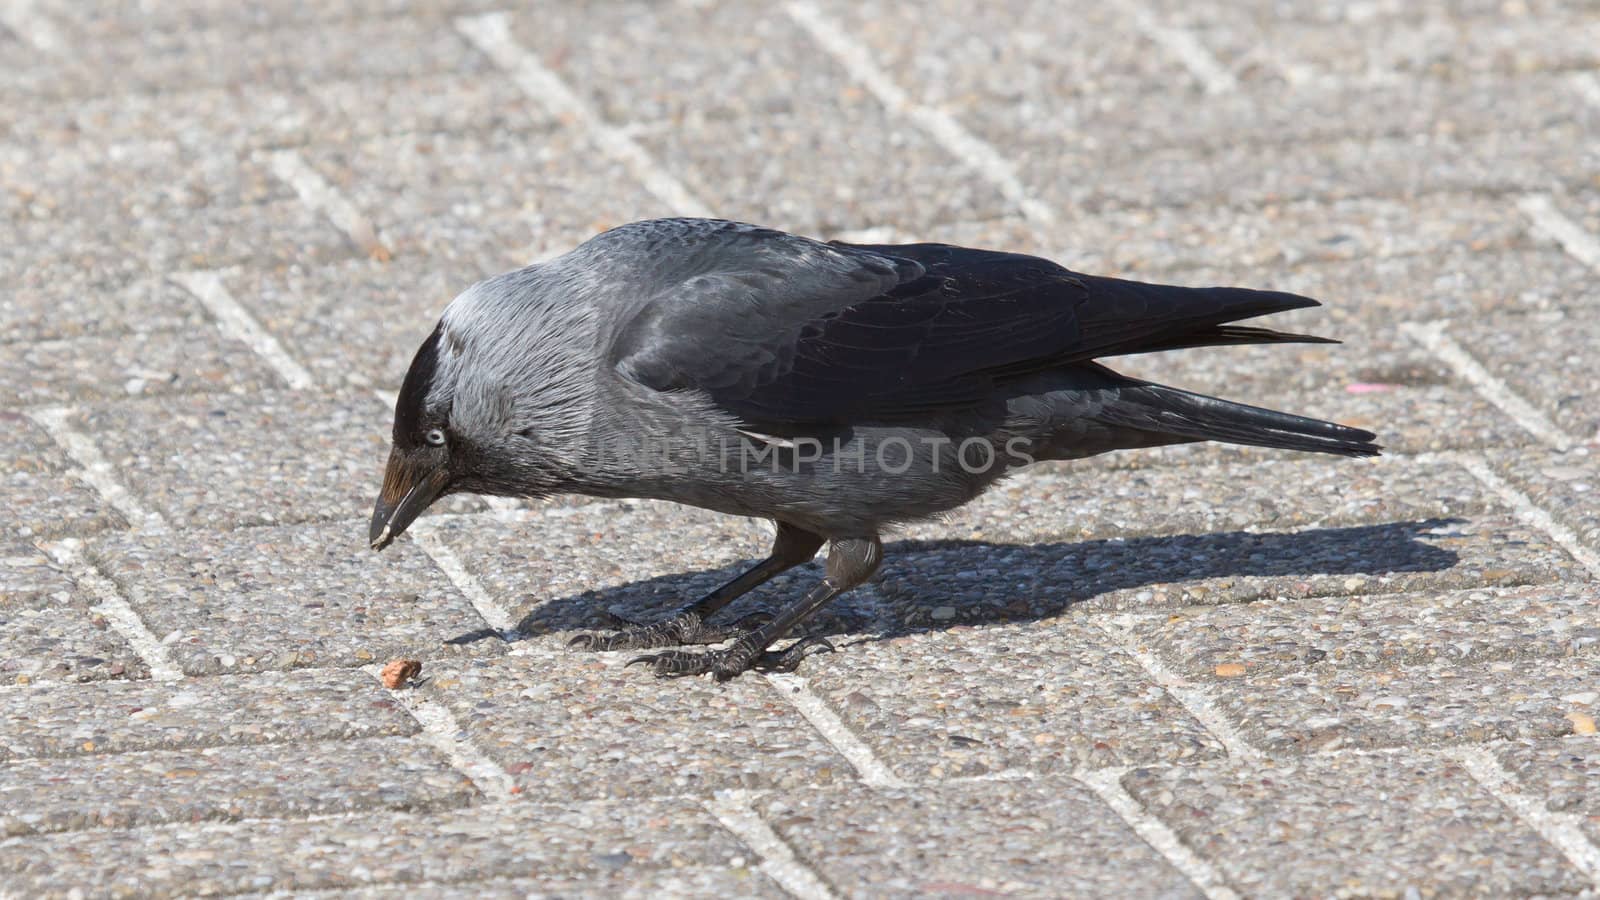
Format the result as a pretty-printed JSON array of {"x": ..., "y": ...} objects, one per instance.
[{"x": 786, "y": 332}]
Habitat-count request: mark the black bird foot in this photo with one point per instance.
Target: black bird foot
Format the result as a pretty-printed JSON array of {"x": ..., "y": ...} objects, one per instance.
[
  {"x": 682, "y": 629},
  {"x": 733, "y": 661}
]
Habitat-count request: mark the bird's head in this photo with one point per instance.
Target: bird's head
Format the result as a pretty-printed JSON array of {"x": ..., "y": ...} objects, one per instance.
[{"x": 484, "y": 392}]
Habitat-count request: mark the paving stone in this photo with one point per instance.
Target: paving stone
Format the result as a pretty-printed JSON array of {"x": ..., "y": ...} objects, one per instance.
[
  {"x": 740, "y": 881},
  {"x": 426, "y": 192},
  {"x": 211, "y": 237},
  {"x": 1377, "y": 379},
  {"x": 157, "y": 60},
  {"x": 60, "y": 642},
  {"x": 1270, "y": 13},
  {"x": 999, "y": 580},
  {"x": 258, "y": 599},
  {"x": 385, "y": 309},
  {"x": 587, "y": 841},
  {"x": 1109, "y": 127},
  {"x": 1387, "y": 51},
  {"x": 1561, "y": 345},
  {"x": 1374, "y": 632},
  {"x": 1565, "y": 485},
  {"x": 563, "y": 568},
  {"x": 648, "y": 62},
  {"x": 1065, "y": 501},
  {"x": 227, "y": 783},
  {"x": 1564, "y": 771},
  {"x": 1404, "y": 166},
  {"x": 269, "y": 458},
  {"x": 64, "y": 298},
  {"x": 124, "y": 716},
  {"x": 29, "y": 579},
  {"x": 1048, "y": 697},
  {"x": 40, "y": 498},
  {"x": 130, "y": 365},
  {"x": 1323, "y": 708},
  {"x": 131, "y": 17},
  {"x": 574, "y": 726},
  {"x": 1027, "y": 51},
  {"x": 894, "y": 843},
  {"x": 1353, "y": 826}
]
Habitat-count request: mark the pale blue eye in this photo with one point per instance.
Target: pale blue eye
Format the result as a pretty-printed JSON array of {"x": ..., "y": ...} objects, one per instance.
[{"x": 435, "y": 437}]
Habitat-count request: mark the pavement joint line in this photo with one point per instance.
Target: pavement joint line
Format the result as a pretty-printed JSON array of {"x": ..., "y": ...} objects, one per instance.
[
  {"x": 315, "y": 191},
  {"x": 1431, "y": 336},
  {"x": 874, "y": 772},
  {"x": 1560, "y": 829},
  {"x": 236, "y": 322},
  {"x": 441, "y": 731},
  {"x": 1528, "y": 511},
  {"x": 1107, "y": 785},
  {"x": 977, "y": 153},
  {"x": 124, "y": 619},
  {"x": 778, "y": 860},
  {"x": 491, "y": 34},
  {"x": 1541, "y": 210},
  {"x": 20, "y": 18},
  {"x": 498, "y": 617},
  {"x": 1187, "y": 49},
  {"x": 93, "y": 468},
  {"x": 1194, "y": 698}
]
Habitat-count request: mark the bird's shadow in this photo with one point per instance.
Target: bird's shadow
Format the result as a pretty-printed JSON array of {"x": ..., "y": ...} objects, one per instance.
[{"x": 927, "y": 585}]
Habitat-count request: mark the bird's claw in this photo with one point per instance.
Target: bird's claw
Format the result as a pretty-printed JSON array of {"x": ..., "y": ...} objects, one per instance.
[
  {"x": 732, "y": 661},
  {"x": 683, "y": 629}
]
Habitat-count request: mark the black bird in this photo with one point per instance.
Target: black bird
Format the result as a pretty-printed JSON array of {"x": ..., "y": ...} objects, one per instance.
[{"x": 837, "y": 389}]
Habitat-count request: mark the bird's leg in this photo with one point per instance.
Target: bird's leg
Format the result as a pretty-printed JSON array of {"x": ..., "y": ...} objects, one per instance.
[
  {"x": 790, "y": 548},
  {"x": 851, "y": 561}
]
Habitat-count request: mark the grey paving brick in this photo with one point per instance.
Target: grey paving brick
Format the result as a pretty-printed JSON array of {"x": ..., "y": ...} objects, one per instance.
[
  {"x": 1027, "y": 54},
  {"x": 564, "y": 568},
  {"x": 427, "y": 194},
  {"x": 1373, "y": 632},
  {"x": 1323, "y": 708},
  {"x": 60, "y": 642},
  {"x": 1566, "y": 485},
  {"x": 1331, "y": 12},
  {"x": 268, "y": 458},
  {"x": 1109, "y": 127},
  {"x": 588, "y": 841},
  {"x": 130, "y": 17},
  {"x": 792, "y": 171},
  {"x": 280, "y": 598},
  {"x": 1560, "y": 347},
  {"x": 740, "y": 881},
  {"x": 1377, "y": 379},
  {"x": 572, "y": 726},
  {"x": 65, "y": 298},
  {"x": 905, "y": 843},
  {"x": 41, "y": 499},
  {"x": 130, "y": 365},
  {"x": 1048, "y": 697},
  {"x": 29, "y": 579},
  {"x": 226, "y": 783},
  {"x": 1065, "y": 501},
  {"x": 1357, "y": 826},
  {"x": 123, "y": 716},
  {"x": 1564, "y": 772},
  {"x": 644, "y": 62},
  {"x": 1277, "y": 236},
  {"x": 1385, "y": 166},
  {"x": 935, "y": 584}
]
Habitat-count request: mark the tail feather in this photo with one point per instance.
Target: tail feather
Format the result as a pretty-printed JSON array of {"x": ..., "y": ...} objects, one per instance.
[
  {"x": 1166, "y": 410},
  {"x": 1225, "y": 335}
]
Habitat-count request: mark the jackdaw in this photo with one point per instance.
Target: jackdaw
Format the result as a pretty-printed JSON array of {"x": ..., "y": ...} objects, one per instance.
[{"x": 837, "y": 389}]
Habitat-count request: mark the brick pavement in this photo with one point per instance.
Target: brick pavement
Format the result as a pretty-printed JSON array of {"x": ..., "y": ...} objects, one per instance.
[{"x": 1215, "y": 672}]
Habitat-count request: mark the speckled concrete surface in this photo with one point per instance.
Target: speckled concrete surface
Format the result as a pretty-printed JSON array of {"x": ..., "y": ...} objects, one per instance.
[{"x": 1188, "y": 671}]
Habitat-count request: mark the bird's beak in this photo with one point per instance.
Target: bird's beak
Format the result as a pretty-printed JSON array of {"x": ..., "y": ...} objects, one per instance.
[{"x": 409, "y": 487}]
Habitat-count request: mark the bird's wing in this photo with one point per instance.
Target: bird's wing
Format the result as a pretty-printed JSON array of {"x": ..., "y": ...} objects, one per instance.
[{"x": 785, "y": 332}]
